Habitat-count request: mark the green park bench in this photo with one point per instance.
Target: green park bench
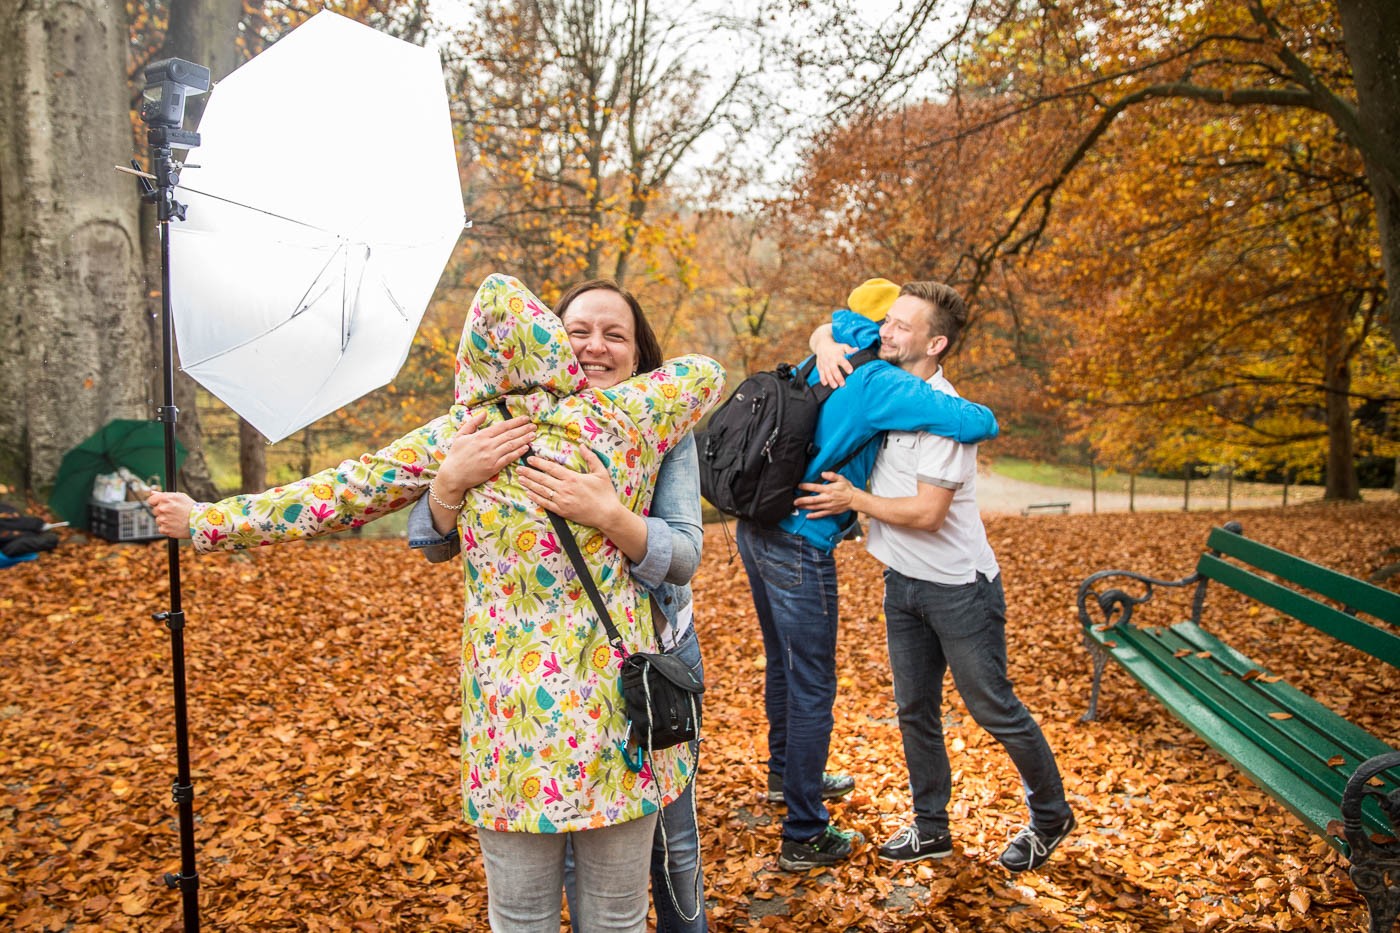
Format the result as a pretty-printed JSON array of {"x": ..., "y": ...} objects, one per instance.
[{"x": 1340, "y": 780}]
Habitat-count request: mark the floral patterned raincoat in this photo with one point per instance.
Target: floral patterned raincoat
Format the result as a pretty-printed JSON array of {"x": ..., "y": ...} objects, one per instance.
[{"x": 542, "y": 713}]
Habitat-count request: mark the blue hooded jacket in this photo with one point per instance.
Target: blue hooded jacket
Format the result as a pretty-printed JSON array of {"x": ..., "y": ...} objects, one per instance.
[{"x": 876, "y": 398}]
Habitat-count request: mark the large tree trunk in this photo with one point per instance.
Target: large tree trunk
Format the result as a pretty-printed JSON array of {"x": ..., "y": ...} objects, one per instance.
[
  {"x": 1372, "y": 33},
  {"x": 74, "y": 338},
  {"x": 1342, "y": 480}
]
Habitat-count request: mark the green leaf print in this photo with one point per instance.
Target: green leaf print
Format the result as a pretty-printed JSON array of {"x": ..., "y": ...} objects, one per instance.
[
  {"x": 291, "y": 512},
  {"x": 545, "y": 578},
  {"x": 543, "y": 698}
]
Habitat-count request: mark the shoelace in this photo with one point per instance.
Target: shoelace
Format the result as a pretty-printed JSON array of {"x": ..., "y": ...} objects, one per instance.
[
  {"x": 908, "y": 835},
  {"x": 1038, "y": 848}
]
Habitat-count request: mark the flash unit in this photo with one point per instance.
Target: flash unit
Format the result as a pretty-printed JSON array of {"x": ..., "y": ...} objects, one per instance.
[{"x": 168, "y": 83}]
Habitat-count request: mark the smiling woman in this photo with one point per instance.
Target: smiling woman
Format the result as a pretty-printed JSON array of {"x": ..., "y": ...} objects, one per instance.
[{"x": 608, "y": 332}]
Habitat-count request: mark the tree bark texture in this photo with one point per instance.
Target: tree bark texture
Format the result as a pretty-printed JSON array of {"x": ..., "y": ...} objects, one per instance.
[
  {"x": 75, "y": 333},
  {"x": 1342, "y": 481},
  {"x": 1371, "y": 30},
  {"x": 252, "y": 459}
]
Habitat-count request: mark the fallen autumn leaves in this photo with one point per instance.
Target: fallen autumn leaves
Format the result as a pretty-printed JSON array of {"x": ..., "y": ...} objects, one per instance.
[{"x": 323, "y": 712}]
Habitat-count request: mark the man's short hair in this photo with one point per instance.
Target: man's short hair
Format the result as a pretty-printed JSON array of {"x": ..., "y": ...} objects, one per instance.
[{"x": 947, "y": 311}]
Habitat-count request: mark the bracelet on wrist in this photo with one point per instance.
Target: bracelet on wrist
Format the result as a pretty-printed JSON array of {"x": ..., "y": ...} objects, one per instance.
[{"x": 432, "y": 494}]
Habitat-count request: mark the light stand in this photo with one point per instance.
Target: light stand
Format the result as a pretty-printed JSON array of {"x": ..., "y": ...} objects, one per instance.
[{"x": 168, "y": 83}]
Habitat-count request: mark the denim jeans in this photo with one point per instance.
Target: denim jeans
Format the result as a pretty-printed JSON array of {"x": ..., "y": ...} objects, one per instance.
[
  {"x": 525, "y": 877},
  {"x": 675, "y": 846},
  {"x": 934, "y": 628},
  {"x": 794, "y": 595}
]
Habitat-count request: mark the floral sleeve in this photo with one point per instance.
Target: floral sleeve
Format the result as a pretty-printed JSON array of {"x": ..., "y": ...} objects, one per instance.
[{"x": 342, "y": 497}]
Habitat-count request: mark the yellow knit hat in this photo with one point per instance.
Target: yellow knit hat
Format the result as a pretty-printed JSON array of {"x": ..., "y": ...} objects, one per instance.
[{"x": 872, "y": 298}]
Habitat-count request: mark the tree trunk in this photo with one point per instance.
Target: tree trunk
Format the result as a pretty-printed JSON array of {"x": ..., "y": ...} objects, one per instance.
[
  {"x": 1342, "y": 481},
  {"x": 252, "y": 459},
  {"x": 74, "y": 338},
  {"x": 1371, "y": 31}
]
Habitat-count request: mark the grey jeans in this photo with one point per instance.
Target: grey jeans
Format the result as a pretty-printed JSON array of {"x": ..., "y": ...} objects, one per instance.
[
  {"x": 525, "y": 877},
  {"x": 933, "y": 628}
]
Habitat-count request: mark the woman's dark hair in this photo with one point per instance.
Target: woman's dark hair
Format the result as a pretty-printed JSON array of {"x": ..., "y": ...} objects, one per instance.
[{"x": 648, "y": 348}]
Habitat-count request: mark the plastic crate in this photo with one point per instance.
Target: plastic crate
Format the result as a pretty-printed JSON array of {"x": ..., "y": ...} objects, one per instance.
[{"x": 122, "y": 521}]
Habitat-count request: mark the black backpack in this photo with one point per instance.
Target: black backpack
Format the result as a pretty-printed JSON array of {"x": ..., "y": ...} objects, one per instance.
[{"x": 758, "y": 443}]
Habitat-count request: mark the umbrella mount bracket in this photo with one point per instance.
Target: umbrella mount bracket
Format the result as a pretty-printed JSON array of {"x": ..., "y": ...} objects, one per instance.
[
  {"x": 168, "y": 414},
  {"x": 175, "y": 621}
]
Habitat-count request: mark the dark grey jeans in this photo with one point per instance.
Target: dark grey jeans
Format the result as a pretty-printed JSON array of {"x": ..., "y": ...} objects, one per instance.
[{"x": 932, "y": 628}]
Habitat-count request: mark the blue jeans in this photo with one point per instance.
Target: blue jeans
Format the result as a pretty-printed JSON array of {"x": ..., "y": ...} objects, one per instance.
[
  {"x": 675, "y": 847},
  {"x": 933, "y": 628},
  {"x": 794, "y": 594}
]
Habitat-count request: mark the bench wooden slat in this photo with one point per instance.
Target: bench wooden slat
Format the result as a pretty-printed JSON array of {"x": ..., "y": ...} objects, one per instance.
[
  {"x": 1313, "y": 726},
  {"x": 1255, "y": 743},
  {"x": 1314, "y": 808},
  {"x": 1351, "y": 741},
  {"x": 1304, "y": 756},
  {"x": 1373, "y": 640},
  {"x": 1350, "y": 592}
]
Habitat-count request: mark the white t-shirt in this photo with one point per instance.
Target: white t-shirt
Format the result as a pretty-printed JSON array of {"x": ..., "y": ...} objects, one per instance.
[{"x": 958, "y": 551}]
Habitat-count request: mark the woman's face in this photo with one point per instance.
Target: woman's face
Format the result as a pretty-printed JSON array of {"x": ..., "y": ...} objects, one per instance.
[{"x": 603, "y": 335}]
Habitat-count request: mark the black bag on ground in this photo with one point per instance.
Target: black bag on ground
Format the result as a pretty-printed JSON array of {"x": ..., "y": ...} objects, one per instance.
[
  {"x": 662, "y": 698},
  {"x": 22, "y": 534},
  {"x": 758, "y": 442}
]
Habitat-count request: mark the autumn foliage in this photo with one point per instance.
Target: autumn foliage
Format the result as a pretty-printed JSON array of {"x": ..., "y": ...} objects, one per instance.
[{"x": 324, "y": 717}]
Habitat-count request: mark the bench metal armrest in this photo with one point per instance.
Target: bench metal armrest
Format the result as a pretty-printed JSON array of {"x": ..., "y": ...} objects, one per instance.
[
  {"x": 1374, "y": 865},
  {"x": 1116, "y": 604}
]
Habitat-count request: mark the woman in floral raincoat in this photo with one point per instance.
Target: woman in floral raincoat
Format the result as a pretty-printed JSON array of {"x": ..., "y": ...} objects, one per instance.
[{"x": 542, "y": 717}]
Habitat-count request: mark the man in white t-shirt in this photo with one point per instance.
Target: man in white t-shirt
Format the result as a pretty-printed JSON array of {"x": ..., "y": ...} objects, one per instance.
[{"x": 944, "y": 604}]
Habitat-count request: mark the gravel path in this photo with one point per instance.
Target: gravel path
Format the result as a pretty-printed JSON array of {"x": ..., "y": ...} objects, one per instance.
[{"x": 1001, "y": 495}]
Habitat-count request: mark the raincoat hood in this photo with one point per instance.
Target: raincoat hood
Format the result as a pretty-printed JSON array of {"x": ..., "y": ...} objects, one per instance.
[{"x": 512, "y": 346}]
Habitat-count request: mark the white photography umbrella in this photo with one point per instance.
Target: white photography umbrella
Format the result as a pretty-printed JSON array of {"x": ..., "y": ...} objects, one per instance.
[{"x": 324, "y": 205}]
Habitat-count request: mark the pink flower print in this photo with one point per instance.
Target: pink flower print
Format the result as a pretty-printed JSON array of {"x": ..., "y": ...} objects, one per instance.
[
  {"x": 549, "y": 545},
  {"x": 551, "y": 666},
  {"x": 322, "y": 511},
  {"x": 215, "y": 535},
  {"x": 592, "y": 429},
  {"x": 474, "y": 779},
  {"x": 573, "y": 741},
  {"x": 468, "y": 539},
  {"x": 551, "y": 792}
]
